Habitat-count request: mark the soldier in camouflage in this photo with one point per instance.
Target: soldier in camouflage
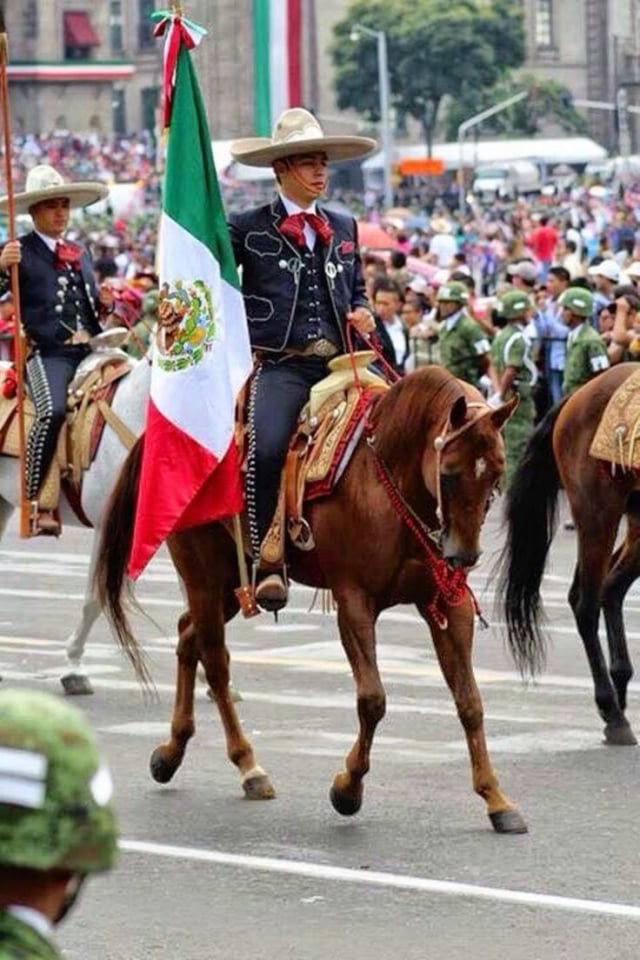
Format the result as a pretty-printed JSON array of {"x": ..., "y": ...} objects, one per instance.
[
  {"x": 514, "y": 373},
  {"x": 586, "y": 350},
  {"x": 463, "y": 345},
  {"x": 57, "y": 822}
]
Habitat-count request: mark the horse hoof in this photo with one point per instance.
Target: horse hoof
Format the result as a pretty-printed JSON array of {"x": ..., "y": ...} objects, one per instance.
[
  {"x": 346, "y": 804},
  {"x": 76, "y": 685},
  {"x": 258, "y": 788},
  {"x": 161, "y": 769},
  {"x": 619, "y": 735},
  {"x": 508, "y": 821}
]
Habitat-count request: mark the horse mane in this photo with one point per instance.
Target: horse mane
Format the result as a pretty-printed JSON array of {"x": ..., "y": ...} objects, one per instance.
[{"x": 404, "y": 415}]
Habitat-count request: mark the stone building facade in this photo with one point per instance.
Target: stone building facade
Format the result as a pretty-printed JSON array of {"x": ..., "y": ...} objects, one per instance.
[{"x": 83, "y": 66}]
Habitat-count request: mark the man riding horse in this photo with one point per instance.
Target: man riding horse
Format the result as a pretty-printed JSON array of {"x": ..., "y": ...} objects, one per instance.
[
  {"x": 302, "y": 283},
  {"x": 61, "y": 309}
]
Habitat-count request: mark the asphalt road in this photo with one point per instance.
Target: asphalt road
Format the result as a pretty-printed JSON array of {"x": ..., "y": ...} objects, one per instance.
[{"x": 418, "y": 873}]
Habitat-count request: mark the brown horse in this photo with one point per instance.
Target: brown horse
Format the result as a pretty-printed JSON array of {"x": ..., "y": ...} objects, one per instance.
[
  {"x": 558, "y": 455},
  {"x": 401, "y": 526}
]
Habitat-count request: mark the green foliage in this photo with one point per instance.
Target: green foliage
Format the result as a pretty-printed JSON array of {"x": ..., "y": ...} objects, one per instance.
[
  {"x": 548, "y": 101},
  {"x": 436, "y": 49}
]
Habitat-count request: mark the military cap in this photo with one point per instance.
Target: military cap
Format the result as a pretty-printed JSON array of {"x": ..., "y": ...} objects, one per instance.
[
  {"x": 55, "y": 793},
  {"x": 454, "y": 291},
  {"x": 514, "y": 303},
  {"x": 578, "y": 300}
]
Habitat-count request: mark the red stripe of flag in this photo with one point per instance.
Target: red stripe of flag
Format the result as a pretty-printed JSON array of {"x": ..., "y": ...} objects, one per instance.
[{"x": 294, "y": 43}]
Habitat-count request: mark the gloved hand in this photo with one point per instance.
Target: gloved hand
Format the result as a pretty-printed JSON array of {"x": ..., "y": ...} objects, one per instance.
[{"x": 495, "y": 400}]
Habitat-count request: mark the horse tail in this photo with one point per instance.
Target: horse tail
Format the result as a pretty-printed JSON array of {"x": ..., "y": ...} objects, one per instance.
[
  {"x": 531, "y": 516},
  {"x": 115, "y": 545}
]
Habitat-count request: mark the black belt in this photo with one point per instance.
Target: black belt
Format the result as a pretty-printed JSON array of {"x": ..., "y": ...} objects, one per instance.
[{"x": 316, "y": 348}]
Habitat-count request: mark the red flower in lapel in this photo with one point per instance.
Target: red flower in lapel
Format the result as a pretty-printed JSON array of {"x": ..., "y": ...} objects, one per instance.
[{"x": 345, "y": 246}]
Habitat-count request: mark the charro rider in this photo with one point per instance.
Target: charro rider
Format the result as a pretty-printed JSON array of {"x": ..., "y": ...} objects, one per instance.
[
  {"x": 57, "y": 822},
  {"x": 302, "y": 282},
  {"x": 61, "y": 310}
]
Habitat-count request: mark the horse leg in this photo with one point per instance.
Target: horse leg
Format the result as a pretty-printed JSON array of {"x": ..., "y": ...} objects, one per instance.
[
  {"x": 214, "y": 656},
  {"x": 453, "y": 646},
  {"x": 624, "y": 571},
  {"x": 585, "y": 597},
  {"x": 74, "y": 680},
  {"x": 356, "y": 622},
  {"x": 167, "y": 757}
]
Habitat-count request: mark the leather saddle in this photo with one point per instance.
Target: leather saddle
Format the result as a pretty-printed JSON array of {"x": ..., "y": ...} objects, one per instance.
[
  {"x": 88, "y": 409},
  {"x": 328, "y": 431}
]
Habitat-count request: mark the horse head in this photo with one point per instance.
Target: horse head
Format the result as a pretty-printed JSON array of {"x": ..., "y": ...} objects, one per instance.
[{"x": 463, "y": 470}]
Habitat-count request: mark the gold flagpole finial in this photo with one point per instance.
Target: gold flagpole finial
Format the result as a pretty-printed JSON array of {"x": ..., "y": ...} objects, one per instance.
[{"x": 176, "y": 8}]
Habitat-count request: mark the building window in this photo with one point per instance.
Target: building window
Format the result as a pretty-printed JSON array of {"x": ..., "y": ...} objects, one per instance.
[
  {"x": 118, "y": 113},
  {"x": 79, "y": 36},
  {"x": 115, "y": 25},
  {"x": 30, "y": 20},
  {"x": 544, "y": 24},
  {"x": 150, "y": 99},
  {"x": 146, "y": 39}
]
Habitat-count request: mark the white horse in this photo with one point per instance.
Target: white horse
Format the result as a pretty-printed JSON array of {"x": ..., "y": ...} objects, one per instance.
[{"x": 129, "y": 404}]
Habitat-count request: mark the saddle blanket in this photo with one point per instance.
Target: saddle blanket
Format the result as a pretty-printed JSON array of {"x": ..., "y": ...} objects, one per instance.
[{"x": 617, "y": 437}]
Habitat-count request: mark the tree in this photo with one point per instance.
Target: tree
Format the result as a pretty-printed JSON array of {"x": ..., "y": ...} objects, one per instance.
[
  {"x": 436, "y": 49},
  {"x": 547, "y": 101}
]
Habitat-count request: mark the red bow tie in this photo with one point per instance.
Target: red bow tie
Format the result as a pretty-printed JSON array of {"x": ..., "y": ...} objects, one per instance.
[
  {"x": 292, "y": 226},
  {"x": 67, "y": 253}
]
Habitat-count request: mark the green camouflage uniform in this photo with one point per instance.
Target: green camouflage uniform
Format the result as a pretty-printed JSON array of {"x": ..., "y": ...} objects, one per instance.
[
  {"x": 510, "y": 348},
  {"x": 19, "y": 941},
  {"x": 55, "y": 803},
  {"x": 586, "y": 356},
  {"x": 461, "y": 345}
]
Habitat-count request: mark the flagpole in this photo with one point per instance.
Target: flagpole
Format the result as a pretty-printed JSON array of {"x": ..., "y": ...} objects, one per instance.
[
  {"x": 18, "y": 339},
  {"x": 244, "y": 593}
]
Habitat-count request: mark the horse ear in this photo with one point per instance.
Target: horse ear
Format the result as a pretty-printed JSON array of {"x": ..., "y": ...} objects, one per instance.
[
  {"x": 500, "y": 416},
  {"x": 458, "y": 413}
]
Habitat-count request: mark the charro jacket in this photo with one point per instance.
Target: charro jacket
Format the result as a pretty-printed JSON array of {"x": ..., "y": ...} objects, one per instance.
[
  {"x": 49, "y": 296},
  {"x": 276, "y": 274}
]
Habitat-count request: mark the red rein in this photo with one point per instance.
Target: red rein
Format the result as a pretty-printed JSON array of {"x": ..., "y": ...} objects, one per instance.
[{"x": 451, "y": 585}]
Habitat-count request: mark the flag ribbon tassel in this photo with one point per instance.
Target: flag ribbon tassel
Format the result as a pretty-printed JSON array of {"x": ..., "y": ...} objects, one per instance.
[{"x": 179, "y": 31}]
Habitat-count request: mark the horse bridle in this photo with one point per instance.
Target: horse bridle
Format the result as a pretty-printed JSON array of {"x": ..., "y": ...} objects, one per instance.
[{"x": 441, "y": 441}]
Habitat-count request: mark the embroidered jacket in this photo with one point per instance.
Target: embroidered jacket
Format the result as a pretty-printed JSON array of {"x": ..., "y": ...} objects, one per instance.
[
  {"x": 277, "y": 279},
  {"x": 51, "y": 298}
]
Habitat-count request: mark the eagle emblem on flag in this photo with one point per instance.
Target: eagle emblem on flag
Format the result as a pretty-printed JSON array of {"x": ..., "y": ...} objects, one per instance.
[{"x": 186, "y": 325}]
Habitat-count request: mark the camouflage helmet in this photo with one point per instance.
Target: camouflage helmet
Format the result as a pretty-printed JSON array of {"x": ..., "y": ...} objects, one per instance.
[
  {"x": 578, "y": 300},
  {"x": 514, "y": 303},
  {"x": 454, "y": 291},
  {"x": 55, "y": 794}
]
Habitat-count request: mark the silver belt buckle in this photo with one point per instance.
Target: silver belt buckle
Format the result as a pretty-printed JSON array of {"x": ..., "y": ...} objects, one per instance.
[{"x": 324, "y": 348}]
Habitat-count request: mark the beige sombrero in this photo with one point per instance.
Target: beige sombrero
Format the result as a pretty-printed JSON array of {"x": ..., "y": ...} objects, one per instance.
[
  {"x": 44, "y": 183},
  {"x": 297, "y": 131}
]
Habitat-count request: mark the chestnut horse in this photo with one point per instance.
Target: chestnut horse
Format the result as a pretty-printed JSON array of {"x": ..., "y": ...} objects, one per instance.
[
  {"x": 401, "y": 526},
  {"x": 599, "y": 497}
]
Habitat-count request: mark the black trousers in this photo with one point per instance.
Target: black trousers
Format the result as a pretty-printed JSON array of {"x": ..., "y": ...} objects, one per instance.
[
  {"x": 280, "y": 391},
  {"x": 48, "y": 377}
]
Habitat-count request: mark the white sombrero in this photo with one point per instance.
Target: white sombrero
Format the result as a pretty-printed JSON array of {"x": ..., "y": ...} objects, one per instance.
[
  {"x": 297, "y": 131},
  {"x": 45, "y": 183}
]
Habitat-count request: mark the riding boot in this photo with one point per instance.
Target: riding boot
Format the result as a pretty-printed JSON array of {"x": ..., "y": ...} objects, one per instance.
[{"x": 270, "y": 576}]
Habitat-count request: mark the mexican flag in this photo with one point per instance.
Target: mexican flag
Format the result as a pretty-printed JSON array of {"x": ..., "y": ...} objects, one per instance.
[{"x": 190, "y": 473}]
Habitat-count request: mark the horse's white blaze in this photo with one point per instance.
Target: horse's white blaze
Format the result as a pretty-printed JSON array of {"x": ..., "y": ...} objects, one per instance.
[{"x": 480, "y": 467}]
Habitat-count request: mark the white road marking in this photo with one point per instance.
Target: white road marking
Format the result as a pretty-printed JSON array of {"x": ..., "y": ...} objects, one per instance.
[{"x": 375, "y": 878}]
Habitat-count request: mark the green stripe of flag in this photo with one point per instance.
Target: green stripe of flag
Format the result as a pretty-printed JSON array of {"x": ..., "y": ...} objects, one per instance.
[
  {"x": 191, "y": 194},
  {"x": 261, "y": 69}
]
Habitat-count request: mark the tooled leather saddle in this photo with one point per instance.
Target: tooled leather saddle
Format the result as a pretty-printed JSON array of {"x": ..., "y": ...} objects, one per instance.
[{"x": 328, "y": 431}]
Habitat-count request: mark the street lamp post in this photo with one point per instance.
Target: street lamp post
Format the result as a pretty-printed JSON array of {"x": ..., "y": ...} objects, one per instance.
[
  {"x": 472, "y": 122},
  {"x": 383, "y": 88}
]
